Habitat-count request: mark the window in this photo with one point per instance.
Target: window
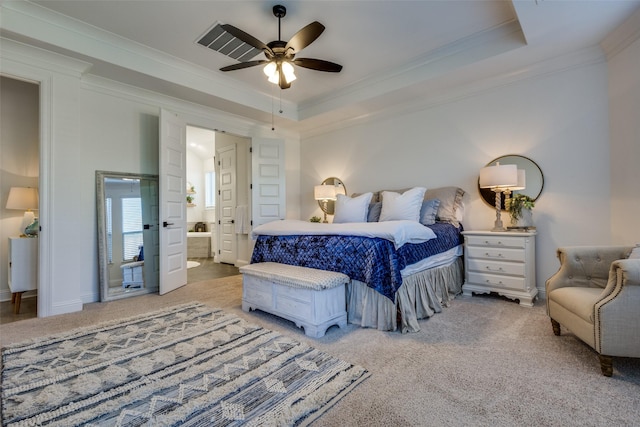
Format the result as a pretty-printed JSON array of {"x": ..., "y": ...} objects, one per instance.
[
  {"x": 131, "y": 227},
  {"x": 209, "y": 190}
]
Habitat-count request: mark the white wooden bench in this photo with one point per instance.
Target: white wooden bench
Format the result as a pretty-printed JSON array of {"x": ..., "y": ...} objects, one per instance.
[{"x": 312, "y": 299}]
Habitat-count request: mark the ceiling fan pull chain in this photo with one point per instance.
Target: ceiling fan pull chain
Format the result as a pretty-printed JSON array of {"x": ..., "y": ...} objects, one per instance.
[{"x": 273, "y": 128}]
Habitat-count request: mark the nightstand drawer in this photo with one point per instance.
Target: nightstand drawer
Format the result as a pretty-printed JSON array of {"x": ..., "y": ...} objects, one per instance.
[
  {"x": 497, "y": 254},
  {"x": 497, "y": 281},
  {"x": 496, "y": 241},
  {"x": 496, "y": 267}
]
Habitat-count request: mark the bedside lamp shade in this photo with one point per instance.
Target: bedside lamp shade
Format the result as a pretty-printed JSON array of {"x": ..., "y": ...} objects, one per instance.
[
  {"x": 23, "y": 199},
  {"x": 324, "y": 192},
  {"x": 521, "y": 185},
  {"x": 499, "y": 176}
]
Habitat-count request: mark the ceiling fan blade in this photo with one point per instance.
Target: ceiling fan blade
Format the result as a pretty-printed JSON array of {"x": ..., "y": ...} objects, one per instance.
[
  {"x": 305, "y": 37},
  {"x": 317, "y": 64},
  {"x": 241, "y": 65},
  {"x": 247, "y": 38}
]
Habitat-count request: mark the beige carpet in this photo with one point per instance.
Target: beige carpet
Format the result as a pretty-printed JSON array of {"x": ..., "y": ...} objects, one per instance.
[{"x": 484, "y": 361}]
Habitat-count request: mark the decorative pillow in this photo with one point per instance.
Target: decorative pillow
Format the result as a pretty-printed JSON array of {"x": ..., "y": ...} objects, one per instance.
[
  {"x": 349, "y": 209},
  {"x": 429, "y": 211},
  {"x": 396, "y": 206},
  {"x": 635, "y": 252},
  {"x": 374, "y": 212},
  {"x": 451, "y": 204}
]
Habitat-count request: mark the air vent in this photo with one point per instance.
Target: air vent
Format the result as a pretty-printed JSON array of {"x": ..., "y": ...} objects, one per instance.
[{"x": 219, "y": 40}]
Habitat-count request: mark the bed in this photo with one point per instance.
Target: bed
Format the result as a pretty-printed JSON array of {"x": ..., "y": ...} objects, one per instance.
[{"x": 402, "y": 268}]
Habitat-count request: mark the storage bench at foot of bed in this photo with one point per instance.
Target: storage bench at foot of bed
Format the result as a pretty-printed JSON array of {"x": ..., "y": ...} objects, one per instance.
[{"x": 313, "y": 299}]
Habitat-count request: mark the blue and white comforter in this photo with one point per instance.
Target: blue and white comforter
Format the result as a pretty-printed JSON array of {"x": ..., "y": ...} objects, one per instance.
[{"x": 369, "y": 258}]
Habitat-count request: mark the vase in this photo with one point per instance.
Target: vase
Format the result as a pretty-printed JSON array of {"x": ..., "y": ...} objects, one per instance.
[
  {"x": 525, "y": 220},
  {"x": 32, "y": 229}
]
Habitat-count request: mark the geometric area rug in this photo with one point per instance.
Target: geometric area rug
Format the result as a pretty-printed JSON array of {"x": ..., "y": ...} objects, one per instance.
[{"x": 186, "y": 365}]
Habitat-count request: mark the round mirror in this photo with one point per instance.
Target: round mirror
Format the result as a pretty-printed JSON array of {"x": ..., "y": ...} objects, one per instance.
[
  {"x": 340, "y": 189},
  {"x": 534, "y": 180}
]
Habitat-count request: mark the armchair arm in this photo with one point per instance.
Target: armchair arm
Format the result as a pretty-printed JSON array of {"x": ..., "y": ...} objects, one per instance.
[
  {"x": 585, "y": 266},
  {"x": 616, "y": 316}
]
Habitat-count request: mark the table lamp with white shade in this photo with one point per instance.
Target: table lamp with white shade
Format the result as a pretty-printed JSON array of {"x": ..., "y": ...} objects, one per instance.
[
  {"x": 324, "y": 193},
  {"x": 498, "y": 178},
  {"x": 521, "y": 185},
  {"x": 24, "y": 199}
]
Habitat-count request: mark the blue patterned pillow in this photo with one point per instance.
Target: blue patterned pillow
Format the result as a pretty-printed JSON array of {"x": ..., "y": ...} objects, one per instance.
[
  {"x": 429, "y": 211},
  {"x": 374, "y": 212}
]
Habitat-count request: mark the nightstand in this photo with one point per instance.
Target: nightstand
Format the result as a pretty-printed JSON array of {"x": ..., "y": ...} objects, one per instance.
[
  {"x": 501, "y": 262},
  {"x": 23, "y": 268}
]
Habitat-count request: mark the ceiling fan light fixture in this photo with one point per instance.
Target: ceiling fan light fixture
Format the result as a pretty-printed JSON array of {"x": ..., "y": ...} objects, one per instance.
[
  {"x": 279, "y": 54},
  {"x": 270, "y": 70},
  {"x": 288, "y": 71}
]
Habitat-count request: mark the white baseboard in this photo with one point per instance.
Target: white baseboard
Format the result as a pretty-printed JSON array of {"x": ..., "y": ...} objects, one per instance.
[{"x": 66, "y": 307}]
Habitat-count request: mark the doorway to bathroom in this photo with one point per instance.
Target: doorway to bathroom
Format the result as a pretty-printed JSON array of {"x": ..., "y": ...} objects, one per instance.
[{"x": 213, "y": 199}]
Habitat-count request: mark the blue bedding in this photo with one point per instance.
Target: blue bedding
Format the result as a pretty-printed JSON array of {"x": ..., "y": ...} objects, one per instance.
[{"x": 373, "y": 261}]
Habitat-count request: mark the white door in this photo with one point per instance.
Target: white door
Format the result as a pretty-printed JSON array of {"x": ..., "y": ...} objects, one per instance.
[
  {"x": 227, "y": 246},
  {"x": 268, "y": 198},
  {"x": 173, "y": 207}
]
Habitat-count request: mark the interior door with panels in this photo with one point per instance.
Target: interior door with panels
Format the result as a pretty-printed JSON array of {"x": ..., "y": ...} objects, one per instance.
[
  {"x": 268, "y": 196},
  {"x": 227, "y": 247}
]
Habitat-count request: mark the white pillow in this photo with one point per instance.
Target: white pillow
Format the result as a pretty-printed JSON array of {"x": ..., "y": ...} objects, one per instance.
[
  {"x": 406, "y": 206},
  {"x": 349, "y": 209},
  {"x": 635, "y": 252}
]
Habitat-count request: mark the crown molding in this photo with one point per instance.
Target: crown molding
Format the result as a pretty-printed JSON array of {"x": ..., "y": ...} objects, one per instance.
[
  {"x": 585, "y": 57},
  {"x": 623, "y": 36},
  {"x": 478, "y": 46},
  {"x": 11, "y": 50}
]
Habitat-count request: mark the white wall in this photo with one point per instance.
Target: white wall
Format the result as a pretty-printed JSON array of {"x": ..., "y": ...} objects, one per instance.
[
  {"x": 624, "y": 97},
  {"x": 195, "y": 176},
  {"x": 560, "y": 121}
]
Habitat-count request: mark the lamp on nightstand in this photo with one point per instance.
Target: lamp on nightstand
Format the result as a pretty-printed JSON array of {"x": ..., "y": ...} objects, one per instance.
[
  {"x": 521, "y": 185},
  {"x": 24, "y": 199},
  {"x": 324, "y": 193},
  {"x": 499, "y": 178}
]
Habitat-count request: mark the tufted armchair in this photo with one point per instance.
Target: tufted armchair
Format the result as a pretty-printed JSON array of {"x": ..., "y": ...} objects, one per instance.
[{"x": 596, "y": 295}]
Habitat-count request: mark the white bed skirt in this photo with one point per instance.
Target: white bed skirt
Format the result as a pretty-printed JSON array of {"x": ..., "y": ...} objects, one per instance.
[{"x": 421, "y": 295}]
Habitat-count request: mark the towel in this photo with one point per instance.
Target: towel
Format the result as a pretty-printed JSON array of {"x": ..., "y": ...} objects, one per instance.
[{"x": 242, "y": 219}]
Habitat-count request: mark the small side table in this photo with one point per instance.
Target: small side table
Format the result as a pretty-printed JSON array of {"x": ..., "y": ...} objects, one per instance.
[
  {"x": 501, "y": 262},
  {"x": 23, "y": 268}
]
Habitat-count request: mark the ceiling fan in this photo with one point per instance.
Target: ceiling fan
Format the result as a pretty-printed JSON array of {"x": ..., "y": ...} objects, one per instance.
[{"x": 280, "y": 54}]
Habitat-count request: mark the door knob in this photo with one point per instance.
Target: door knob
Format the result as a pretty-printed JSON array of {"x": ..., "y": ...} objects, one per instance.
[{"x": 165, "y": 223}]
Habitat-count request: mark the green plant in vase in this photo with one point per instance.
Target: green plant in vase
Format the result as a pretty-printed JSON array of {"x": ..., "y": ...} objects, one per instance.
[
  {"x": 315, "y": 219},
  {"x": 520, "y": 209}
]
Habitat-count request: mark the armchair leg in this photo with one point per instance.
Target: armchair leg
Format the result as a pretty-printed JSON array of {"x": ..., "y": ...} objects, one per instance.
[
  {"x": 606, "y": 364},
  {"x": 556, "y": 327}
]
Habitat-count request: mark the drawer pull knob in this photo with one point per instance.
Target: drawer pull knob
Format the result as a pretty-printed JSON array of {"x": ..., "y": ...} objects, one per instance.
[
  {"x": 497, "y": 269},
  {"x": 493, "y": 256}
]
